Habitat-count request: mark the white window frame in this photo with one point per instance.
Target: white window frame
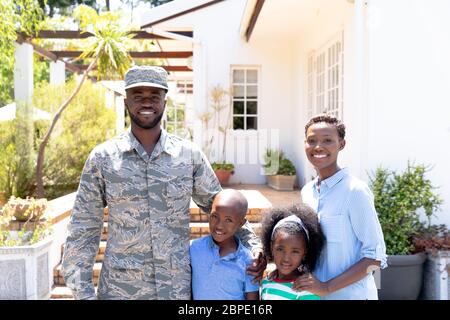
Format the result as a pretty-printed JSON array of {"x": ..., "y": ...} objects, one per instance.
[
  {"x": 245, "y": 84},
  {"x": 175, "y": 122},
  {"x": 325, "y": 80}
]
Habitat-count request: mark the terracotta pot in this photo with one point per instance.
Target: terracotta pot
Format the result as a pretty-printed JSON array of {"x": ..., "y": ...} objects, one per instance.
[{"x": 223, "y": 176}]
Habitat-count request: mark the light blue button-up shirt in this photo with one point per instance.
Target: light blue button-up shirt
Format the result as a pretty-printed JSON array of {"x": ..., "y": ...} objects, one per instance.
[
  {"x": 350, "y": 223},
  {"x": 220, "y": 278}
]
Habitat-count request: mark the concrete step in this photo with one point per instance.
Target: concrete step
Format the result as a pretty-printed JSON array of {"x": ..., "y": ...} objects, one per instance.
[{"x": 61, "y": 293}]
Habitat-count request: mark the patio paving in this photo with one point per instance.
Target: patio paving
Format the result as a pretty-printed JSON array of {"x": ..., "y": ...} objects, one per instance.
[{"x": 276, "y": 198}]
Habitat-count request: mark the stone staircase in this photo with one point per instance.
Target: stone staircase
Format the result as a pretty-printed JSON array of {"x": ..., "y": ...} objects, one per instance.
[{"x": 198, "y": 225}]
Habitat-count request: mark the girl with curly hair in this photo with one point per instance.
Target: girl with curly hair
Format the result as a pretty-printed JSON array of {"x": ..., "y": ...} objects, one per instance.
[{"x": 293, "y": 240}]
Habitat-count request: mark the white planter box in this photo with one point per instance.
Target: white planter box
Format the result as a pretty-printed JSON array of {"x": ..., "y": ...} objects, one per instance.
[
  {"x": 25, "y": 272},
  {"x": 283, "y": 183},
  {"x": 436, "y": 284}
]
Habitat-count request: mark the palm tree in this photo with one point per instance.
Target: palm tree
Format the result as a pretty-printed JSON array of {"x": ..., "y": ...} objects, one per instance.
[{"x": 109, "y": 55}]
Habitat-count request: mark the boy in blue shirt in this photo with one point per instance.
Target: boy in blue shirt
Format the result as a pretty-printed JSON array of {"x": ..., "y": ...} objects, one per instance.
[{"x": 219, "y": 260}]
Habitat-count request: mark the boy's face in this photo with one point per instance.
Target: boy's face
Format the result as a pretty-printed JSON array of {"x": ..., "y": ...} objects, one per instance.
[
  {"x": 224, "y": 221},
  {"x": 322, "y": 145},
  {"x": 288, "y": 252}
]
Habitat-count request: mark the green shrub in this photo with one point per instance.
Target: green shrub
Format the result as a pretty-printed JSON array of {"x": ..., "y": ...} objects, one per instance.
[
  {"x": 222, "y": 166},
  {"x": 277, "y": 164},
  {"x": 84, "y": 124},
  {"x": 16, "y": 157},
  {"x": 398, "y": 197}
]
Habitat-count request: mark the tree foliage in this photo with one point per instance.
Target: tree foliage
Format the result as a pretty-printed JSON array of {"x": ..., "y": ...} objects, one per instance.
[
  {"x": 64, "y": 7},
  {"x": 108, "y": 52},
  {"x": 398, "y": 197},
  {"x": 17, "y": 15},
  {"x": 84, "y": 125}
]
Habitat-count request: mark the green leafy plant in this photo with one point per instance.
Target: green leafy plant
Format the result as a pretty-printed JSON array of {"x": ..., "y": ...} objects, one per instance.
[
  {"x": 222, "y": 166},
  {"x": 16, "y": 158},
  {"x": 398, "y": 198},
  {"x": 107, "y": 52},
  {"x": 275, "y": 163},
  {"x": 85, "y": 124}
]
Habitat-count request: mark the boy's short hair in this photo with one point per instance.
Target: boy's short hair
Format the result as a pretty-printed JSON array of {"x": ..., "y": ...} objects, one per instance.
[
  {"x": 239, "y": 200},
  {"x": 340, "y": 127}
]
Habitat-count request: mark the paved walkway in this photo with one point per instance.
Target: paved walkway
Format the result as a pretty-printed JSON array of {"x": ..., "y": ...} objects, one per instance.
[{"x": 276, "y": 198}]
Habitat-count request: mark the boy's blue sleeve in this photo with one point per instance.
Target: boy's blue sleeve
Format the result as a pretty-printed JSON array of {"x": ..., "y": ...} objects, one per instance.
[{"x": 249, "y": 286}]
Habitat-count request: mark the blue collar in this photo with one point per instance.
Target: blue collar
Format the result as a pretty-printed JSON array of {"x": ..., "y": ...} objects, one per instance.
[
  {"x": 231, "y": 256},
  {"x": 330, "y": 182}
]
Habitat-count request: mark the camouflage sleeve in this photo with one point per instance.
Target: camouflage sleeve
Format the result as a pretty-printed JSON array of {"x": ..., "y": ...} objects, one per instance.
[
  {"x": 249, "y": 238},
  {"x": 84, "y": 232},
  {"x": 206, "y": 184}
]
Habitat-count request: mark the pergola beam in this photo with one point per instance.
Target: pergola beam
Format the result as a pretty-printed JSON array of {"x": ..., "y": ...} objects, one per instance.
[
  {"x": 133, "y": 54},
  {"x": 76, "y": 34},
  {"x": 51, "y": 56},
  {"x": 168, "y": 68}
]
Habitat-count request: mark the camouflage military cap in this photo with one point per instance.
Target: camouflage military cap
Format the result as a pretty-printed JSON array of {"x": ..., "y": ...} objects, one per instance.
[{"x": 146, "y": 76}]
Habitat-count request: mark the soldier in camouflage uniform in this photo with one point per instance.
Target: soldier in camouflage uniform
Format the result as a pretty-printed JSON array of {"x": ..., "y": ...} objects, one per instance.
[{"x": 146, "y": 177}]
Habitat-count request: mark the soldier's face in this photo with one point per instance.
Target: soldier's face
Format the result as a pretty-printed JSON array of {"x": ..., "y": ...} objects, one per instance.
[
  {"x": 145, "y": 106},
  {"x": 224, "y": 222}
]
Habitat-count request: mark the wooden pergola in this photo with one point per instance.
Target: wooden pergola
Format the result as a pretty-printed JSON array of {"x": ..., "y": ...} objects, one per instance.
[{"x": 56, "y": 55}]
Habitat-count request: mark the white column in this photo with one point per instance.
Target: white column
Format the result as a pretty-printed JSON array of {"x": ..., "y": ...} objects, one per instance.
[
  {"x": 200, "y": 89},
  {"x": 57, "y": 72},
  {"x": 361, "y": 79},
  {"x": 23, "y": 72},
  {"x": 120, "y": 112}
]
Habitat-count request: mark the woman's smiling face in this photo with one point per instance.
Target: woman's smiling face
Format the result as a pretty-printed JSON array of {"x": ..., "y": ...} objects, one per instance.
[{"x": 322, "y": 145}]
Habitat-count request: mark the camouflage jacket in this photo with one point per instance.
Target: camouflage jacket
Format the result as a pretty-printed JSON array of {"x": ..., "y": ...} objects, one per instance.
[{"x": 148, "y": 197}]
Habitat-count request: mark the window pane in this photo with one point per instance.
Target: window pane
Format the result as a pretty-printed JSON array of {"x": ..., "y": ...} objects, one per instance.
[
  {"x": 252, "y": 92},
  {"x": 251, "y": 123},
  {"x": 238, "y": 76},
  {"x": 170, "y": 128},
  {"x": 180, "y": 115},
  {"x": 170, "y": 114},
  {"x": 238, "y": 123},
  {"x": 252, "y": 76},
  {"x": 238, "y": 92},
  {"x": 238, "y": 107},
  {"x": 251, "y": 107}
]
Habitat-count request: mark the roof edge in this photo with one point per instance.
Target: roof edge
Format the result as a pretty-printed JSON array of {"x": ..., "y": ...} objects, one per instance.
[
  {"x": 249, "y": 18},
  {"x": 173, "y": 10}
]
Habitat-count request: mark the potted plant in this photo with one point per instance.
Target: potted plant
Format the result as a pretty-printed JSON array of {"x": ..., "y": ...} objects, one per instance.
[
  {"x": 25, "y": 240},
  {"x": 280, "y": 171},
  {"x": 223, "y": 172},
  {"x": 217, "y": 135},
  {"x": 398, "y": 198},
  {"x": 435, "y": 241}
]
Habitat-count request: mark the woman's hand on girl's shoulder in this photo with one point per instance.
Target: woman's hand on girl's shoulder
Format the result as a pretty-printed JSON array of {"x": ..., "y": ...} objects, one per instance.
[
  {"x": 272, "y": 275},
  {"x": 308, "y": 282}
]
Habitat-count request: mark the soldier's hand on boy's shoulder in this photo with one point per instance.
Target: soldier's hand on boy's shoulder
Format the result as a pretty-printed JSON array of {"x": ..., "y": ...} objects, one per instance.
[{"x": 258, "y": 266}]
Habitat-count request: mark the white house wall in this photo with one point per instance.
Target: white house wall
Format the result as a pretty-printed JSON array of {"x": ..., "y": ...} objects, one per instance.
[
  {"x": 409, "y": 114},
  {"x": 396, "y": 77},
  {"x": 217, "y": 29}
]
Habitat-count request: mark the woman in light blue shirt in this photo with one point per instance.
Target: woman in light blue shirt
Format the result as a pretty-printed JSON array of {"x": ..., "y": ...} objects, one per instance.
[{"x": 354, "y": 240}]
